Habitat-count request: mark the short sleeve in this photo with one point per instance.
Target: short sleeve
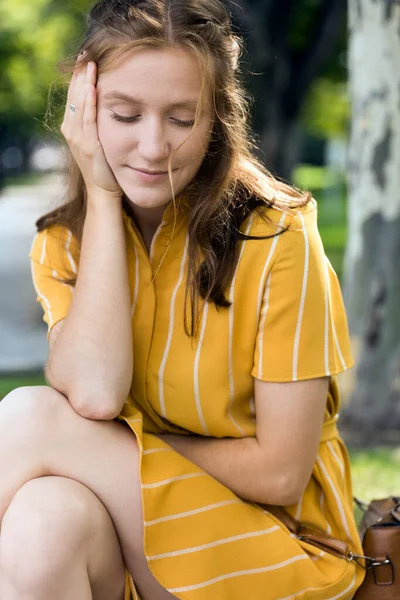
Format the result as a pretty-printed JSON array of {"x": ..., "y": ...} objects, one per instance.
[
  {"x": 302, "y": 330},
  {"x": 54, "y": 255}
]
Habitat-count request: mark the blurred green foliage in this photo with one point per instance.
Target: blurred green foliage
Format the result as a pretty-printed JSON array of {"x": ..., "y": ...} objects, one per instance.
[
  {"x": 9, "y": 383},
  {"x": 34, "y": 36},
  {"x": 376, "y": 472},
  {"x": 329, "y": 189},
  {"x": 326, "y": 113}
]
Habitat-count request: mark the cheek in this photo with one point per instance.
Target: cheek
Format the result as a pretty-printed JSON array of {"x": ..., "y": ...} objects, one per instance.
[
  {"x": 110, "y": 138},
  {"x": 196, "y": 147}
]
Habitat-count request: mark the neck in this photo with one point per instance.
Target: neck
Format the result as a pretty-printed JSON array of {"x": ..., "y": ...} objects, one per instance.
[{"x": 147, "y": 220}]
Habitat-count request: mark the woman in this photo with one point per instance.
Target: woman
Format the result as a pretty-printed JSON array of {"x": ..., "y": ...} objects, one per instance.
[{"x": 195, "y": 328}]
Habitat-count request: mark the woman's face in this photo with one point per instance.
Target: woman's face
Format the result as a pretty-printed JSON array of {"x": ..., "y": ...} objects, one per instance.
[{"x": 156, "y": 93}]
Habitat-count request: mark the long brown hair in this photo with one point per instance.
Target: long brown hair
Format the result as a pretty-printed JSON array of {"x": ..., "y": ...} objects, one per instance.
[{"x": 231, "y": 183}]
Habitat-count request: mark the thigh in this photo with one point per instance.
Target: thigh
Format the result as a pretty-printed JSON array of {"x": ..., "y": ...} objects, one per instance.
[
  {"x": 53, "y": 522},
  {"x": 101, "y": 455}
]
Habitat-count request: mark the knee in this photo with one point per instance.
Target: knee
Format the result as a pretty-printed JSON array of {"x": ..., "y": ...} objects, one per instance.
[
  {"x": 44, "y": 528},
  {"x": 31, "y": 407}
]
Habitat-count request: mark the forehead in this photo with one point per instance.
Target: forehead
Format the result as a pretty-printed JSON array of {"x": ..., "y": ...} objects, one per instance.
[{"x": 168, "y": 74}]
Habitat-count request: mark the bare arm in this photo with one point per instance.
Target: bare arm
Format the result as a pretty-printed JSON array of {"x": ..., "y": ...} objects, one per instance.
[
  {"x": 274, "y": 467},
  {"x": 91, "y": 360}
]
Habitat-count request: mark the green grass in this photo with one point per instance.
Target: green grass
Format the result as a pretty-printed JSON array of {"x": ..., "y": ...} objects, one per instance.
[
  {"x": 7, "y": 384},
  {"x": 376, "y": 472},
  {"x": 25, "y": 179}
]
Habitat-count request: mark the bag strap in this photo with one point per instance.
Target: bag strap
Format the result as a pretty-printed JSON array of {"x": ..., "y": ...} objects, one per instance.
[{"x": 313, "y": 536}]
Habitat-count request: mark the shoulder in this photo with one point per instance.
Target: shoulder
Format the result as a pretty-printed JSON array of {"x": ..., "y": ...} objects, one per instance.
[
  {"x": 271, "y": 219},
  {"x": 54, "y": 242},
  {"x": 290, "y": 240}
]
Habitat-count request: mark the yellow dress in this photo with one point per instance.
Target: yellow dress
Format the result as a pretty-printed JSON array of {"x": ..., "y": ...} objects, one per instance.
[{"x": 287, "y": 323}]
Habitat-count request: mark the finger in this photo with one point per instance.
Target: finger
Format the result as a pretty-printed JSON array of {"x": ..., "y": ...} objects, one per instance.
[
  {"x": 90, "y": 112},
  {"x": 91, "y": 73},
  {"x": 90, "y": 115},
  {"x": 77, "y": 99},
  {"x": 72, "y": 87}
]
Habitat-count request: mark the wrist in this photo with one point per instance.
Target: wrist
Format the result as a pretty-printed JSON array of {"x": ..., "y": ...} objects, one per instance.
[{"x": 100, "y": 195}]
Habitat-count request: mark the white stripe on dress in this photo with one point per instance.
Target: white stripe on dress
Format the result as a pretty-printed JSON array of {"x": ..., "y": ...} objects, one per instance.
[
  {"x": 135, "y": 294},
  {"x": 321, "y": 506},
  {"x": 170, "y": 332},
  {"x": 337, "y": 345},
  {"x": 208, "y": 582},
  {"x": 136, "y": 290},
  {"x": 341, "y": 594},
  {"x": 69, "y": 255},
  {"x": 234, "y": 538},
  {"x": 196, "y": 370},
  {"x": 153, "y": 241},
  {"x": 194, "y": 511},
  {"x": 299, "y": 508},
  {"x": 38, "y": 292},
  {"x": 339, "y": 462},
  {"x": 302, "y": 301},
  {"x": 326, "y": 336},
  {"x": 312, "y": 589},
  {"x": 56, "y": 276},
  {"x": 269, "y": 258},
  {"x": 150, "y": 486},
  {"x": 337, "y": 498},
  {"x": 44, "y": 247},
  {"x": 262, "y": 326},
  {"x": 231, "y": 324},
  {"x": 154, "y": 450}
]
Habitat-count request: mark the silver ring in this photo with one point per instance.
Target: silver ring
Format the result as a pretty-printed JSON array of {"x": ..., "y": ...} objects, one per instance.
[{"x": 72, "y": 107}]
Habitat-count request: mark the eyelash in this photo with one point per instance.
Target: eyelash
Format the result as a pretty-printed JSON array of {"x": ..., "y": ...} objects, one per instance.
[{"x": 133, "y": 119}]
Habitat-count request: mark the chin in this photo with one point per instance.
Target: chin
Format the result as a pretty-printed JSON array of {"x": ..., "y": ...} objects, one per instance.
[{"x": 147, "y": 198}]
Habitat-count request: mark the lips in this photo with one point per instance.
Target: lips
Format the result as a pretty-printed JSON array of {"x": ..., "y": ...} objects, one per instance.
[{"x": 151, "y": 172}]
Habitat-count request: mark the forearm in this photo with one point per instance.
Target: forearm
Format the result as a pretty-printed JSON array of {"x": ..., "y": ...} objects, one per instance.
[
  {"x": 91, "y": 361},
  {"x": 239, "y": 464}
]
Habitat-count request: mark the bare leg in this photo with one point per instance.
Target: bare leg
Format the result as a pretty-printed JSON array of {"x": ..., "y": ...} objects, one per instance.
[
  {"x": 58, "y": 541},
  {"x": 41, "y": 434}
]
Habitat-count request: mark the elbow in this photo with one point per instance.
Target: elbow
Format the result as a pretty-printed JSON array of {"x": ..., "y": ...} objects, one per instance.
[
  {"x": 96, "y": 407},
  {"x": 289, "y": 495},
  {"x": 283, "y": 490}
]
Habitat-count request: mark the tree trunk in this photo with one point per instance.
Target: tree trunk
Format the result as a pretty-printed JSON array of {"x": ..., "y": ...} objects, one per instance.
[{"x": 372, "y": 267}]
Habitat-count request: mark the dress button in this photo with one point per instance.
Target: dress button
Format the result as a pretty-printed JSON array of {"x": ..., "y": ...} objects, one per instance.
[{"x": 165, "y": 241}]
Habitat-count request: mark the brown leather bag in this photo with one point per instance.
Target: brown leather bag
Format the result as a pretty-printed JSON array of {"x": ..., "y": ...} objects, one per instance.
[{"x": 380, "y": 533}]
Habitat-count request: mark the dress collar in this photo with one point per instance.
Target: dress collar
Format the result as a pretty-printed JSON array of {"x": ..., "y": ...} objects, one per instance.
[{"x": 171, "y": 212}]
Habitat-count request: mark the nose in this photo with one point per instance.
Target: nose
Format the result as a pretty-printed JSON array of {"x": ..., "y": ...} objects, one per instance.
[{"x": 153, "y": 146}]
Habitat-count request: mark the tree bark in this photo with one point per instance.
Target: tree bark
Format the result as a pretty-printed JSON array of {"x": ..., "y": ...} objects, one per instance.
[{"x": 372, "y": 271}]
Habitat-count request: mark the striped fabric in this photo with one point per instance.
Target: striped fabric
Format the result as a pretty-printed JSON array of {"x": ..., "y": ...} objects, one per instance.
[{"x": 287, "y": 323}]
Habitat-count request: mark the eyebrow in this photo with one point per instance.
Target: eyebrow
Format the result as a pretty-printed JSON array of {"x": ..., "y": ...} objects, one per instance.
[{"x": 115, "y": 95}]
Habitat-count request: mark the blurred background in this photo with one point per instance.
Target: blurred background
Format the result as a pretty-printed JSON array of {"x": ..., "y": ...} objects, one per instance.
[{"x": 324, "y": 78}]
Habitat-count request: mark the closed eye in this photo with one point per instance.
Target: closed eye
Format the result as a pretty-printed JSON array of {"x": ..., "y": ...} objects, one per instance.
[{"x": 121, "y": 119}]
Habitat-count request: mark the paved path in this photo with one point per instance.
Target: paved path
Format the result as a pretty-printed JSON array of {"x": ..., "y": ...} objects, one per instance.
[{"x": 23, "y": 342}]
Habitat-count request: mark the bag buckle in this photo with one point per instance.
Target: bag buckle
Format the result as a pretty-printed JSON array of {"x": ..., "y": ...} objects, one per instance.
[
  {"x": 379, "y": 578},
  {"x": 395, "y": 512}
]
